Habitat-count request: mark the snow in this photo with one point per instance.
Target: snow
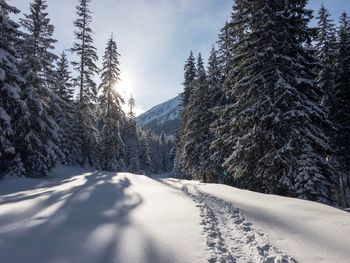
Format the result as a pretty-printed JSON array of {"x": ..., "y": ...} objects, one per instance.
[
  {"x": 2, "y": 74},
  {"x": 161, "y": 113},
  {"x": 230, "y": 237},
  {"x": 82, "y": 215},
  {"x": 78, "y": 215},
  {"x": 309, "y": 231}
]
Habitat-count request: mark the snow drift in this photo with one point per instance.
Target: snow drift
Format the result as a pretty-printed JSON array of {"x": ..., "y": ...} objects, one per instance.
[{"x": 80, "y": 215}]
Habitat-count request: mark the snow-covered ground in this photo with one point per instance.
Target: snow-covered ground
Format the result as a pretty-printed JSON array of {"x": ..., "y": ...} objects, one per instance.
[{"x": 80, "y": 215}]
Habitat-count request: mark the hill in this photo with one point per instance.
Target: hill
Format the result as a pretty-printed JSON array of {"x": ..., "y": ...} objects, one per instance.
[{"x": 164, "y": 117}]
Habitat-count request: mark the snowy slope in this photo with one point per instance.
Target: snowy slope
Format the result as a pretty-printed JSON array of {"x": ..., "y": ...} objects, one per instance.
[
  {"x": 308, "y": 231},
  {"x": 79, "y": 215},
  {"x": 163, "y": 117},
  {"x": 90, "y": 216}
]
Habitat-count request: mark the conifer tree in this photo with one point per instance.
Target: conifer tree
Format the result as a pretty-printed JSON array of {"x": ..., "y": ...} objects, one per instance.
[
  {"x": 189, "y": 80},
  {"x": 86, "y": 67},
  {"x": 197, "y": 126},
  {"x": 226, "y": 41},
  {"x": 155, "y": 152},
  {"x": 340, "y": 109},
  {"x": 145, "y": 155},
  {"x": 164, "y": 149},
  {"x": 11, "y": 104},
  {"x": 38, "y": 24},
  {"x": 223, "y": 136},
  {"x": 132, "y": 140},
  {"x": 112, "y": 145},
  {"x": 190, "y": 75},
  {"x": 66, "y": 119},
  {"x": 326, "y": 53},
  {"x": 38, "y": 136},
  {"x": 214, "y": 100},
  {"x": 277, "y": 125}
]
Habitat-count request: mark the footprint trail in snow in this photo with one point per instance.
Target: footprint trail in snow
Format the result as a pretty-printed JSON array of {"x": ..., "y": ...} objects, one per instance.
[{"x": 230, "y": 237}]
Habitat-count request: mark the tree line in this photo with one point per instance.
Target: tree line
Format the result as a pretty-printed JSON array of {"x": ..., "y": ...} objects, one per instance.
[
  {"x": 271, "y": 111},
  {"x": 43, "y": 123}
]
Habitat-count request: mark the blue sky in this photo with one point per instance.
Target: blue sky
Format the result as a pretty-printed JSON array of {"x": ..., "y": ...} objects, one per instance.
[{"x": 154, "y": 37}]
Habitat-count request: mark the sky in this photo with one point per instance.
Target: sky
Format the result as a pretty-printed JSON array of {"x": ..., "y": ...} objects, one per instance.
[{"x": 154, "y": 37}]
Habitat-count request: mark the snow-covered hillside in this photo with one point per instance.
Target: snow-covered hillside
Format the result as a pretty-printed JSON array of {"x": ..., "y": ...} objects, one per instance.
[
  {"x": 163, "y": 117},
  {"x": 80, "y": 215}
]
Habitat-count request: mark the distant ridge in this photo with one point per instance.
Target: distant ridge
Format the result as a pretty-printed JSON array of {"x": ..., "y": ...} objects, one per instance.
[{"x": 164, "y": 117}]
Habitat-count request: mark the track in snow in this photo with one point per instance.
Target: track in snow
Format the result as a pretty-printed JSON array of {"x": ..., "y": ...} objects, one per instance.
[{"x": 230, "y": 237}]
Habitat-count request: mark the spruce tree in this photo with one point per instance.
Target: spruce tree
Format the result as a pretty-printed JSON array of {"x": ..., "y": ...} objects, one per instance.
[
  {"x": 155, "y": 152},
  {"x": 164, "y": 149},
  {"x": 189, "y": 80},
  {"x": 277, "y": 125},
  {"x": 11, "y": 104},
  {"x": 112, "y": 146},
  {"x": 340, "y": 109},
  {"x": 190, "y": 75},
  {"x": 132, "y": 140},
  {"x": 145, "y": 155},
  {"x": 223, "y": 136},
  {"x": 326, "y": 53},
  {"x": 226, "y": 41},
  {"x": 66, "y": 119},
  {"x": 38, "y": 133},
  {"x": 214, "y": 100},
  {"x": 86, "y": 67},
  {"x": 38, "y": 24},
  {"x": 197, "y": 126}
]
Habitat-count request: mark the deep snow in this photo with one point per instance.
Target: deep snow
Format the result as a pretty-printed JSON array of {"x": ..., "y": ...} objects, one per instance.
[{"x": 80, "y": 215}]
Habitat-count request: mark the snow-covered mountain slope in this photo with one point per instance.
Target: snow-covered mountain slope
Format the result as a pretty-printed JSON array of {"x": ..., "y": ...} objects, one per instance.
[
  {"x": 163, "y": 117},
  {"x": 81, "y": 215}
]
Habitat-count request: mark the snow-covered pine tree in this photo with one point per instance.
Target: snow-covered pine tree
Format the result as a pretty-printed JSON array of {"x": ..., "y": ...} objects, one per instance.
[
  {"x": 145, "y": 154},
  {"x": 155, "y": 152},
  {"x": 223, "y": 136},
  {"x": 66, "y": 119},
  {"x": 226, "y": 40},
  {"x": 190, "y": 76},
  {"x": 214, "y": 99},
  {"x": 171, "y": 153},
  {"x": 63, "y": 82},
  {"x": 189, "y": 80},
  {"x": 177, "y": 154},
  {"x": 279, "y": 126},
  {"x": 164, "y": 150},
  {"x": 112, "y": 116},
  {"x": 11, "y": 104},
  {"x": 326, "y": 53},
  {"x": 37, "y": 136},
  {"x": 197, "y": 127},
  {"x": 340, "y": 109},
  {"x": 86, "y": 67},
  {"x": 132, "y": 140},
  {"x": 38, "y": 19}
]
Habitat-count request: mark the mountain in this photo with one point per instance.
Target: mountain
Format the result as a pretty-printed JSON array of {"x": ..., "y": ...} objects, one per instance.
[{"x": 163, "y": 117}]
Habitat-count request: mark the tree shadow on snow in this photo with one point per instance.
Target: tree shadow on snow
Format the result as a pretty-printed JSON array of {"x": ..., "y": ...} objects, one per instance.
[{"x": 83, "y": 223}]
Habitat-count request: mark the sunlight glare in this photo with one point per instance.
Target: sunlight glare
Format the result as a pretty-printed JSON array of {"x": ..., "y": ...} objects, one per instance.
[
  {"x": 125, "y": 86},
  {"x": 125, "y": 89}
]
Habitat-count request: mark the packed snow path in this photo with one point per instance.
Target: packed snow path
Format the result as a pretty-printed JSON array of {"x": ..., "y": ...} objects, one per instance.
[
  {"x": 77, "y": 215},
  {"x": 230, "y": 238}
]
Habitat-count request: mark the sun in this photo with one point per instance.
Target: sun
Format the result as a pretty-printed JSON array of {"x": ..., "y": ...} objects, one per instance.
[{"x": 125, "y": 86}]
